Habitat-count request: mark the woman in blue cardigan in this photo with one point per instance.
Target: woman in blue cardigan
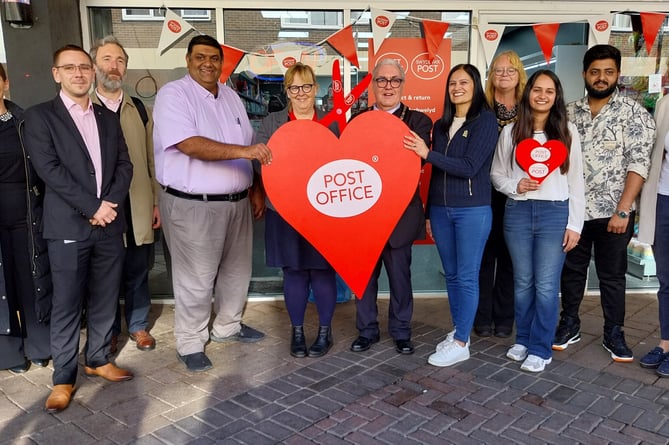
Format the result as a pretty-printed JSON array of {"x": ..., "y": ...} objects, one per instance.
[{"x": 458, "y": 207}]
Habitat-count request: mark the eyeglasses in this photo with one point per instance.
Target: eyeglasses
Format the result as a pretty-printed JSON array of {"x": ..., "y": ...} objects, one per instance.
[
  {"x": 71, "y": 68},
  {"x": 508, "y": 71},
  {"x": 382, "y": 82},
  {"x": 306, "y": 88}
]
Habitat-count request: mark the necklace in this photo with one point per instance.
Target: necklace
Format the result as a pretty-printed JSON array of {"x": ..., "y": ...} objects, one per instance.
[{"x": 6, "y": 116}]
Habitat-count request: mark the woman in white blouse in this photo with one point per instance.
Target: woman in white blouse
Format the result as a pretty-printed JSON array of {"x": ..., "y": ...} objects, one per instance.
[{"x": 543, "y": 220}]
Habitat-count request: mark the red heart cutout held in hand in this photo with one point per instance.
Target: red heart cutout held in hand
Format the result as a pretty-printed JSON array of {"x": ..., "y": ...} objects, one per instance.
[
  {"x": 538, "y": 160},
  {"x": 344, "y": 195}
]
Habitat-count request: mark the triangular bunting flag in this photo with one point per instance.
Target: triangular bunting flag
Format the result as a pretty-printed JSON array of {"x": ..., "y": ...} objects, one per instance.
[
  {"x": 433, "y": 33},
  {"x": 231, "y": 58},
  {"x": 546, "y": 33},
  {"x": 382, "y": 21},
  {"x": 174, "y": 28},
  {"x": 650, "y": 25},
  {"x": 286, "y": 58},
  {"x": 601, "y": 28},
  {"x": 490, "y": 38},
  {"x": 342, "y": 41}
]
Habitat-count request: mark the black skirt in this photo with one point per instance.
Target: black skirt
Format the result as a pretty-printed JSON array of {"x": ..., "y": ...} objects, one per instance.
[{"x": 285, "y": 247}]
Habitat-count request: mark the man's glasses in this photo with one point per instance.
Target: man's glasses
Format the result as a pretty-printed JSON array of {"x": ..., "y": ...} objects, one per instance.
[
  {"x": 306, "y": 88},
  {"x": 508, "y": 71},
  {"x": 382, "y": 82},
  {"x": 71, "y": 68}
]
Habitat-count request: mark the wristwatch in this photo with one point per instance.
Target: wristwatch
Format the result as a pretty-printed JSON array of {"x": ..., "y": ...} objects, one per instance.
[{"x": 622, "y": 214}]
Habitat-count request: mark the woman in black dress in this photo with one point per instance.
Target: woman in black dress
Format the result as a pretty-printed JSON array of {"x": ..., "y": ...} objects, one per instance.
[
  {"x": 303, "y": 266},
  {"x": 25, "y": 285}
]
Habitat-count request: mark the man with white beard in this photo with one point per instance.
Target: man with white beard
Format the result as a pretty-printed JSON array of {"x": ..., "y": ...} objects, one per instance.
[{"x": 111, "y": 60}]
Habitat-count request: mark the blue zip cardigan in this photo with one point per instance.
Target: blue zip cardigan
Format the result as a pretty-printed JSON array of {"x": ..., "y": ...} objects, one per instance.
[{"x": 461, "y": 166}]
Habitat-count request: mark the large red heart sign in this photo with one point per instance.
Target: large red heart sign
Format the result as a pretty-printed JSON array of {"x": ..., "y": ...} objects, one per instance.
[
  {"x": 344, "y": 195},
  {"x": 538, "y": 160}
]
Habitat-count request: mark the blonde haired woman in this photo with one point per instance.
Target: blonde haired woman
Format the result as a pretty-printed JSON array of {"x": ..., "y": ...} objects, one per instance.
[
  {"x": 303, "y": 267},
  {"x": 503, "y": 90}
]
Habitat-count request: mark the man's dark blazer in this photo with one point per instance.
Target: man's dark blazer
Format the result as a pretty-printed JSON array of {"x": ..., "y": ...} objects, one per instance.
[
  {"x": 61, "y": 159},
  {"x": 411, "y": 225}
]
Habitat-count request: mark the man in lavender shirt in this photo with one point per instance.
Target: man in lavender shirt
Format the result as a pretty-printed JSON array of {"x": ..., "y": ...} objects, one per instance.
[{"x": 203, "y": 153}]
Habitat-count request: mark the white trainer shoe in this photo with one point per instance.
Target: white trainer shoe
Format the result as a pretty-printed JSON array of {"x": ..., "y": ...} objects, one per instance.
[
  {"x": 534, "y": 363},
  {"x": 449, "y": 355},
  {"x": 449, "y": 339},
  {"x": 517, "y": 353}
]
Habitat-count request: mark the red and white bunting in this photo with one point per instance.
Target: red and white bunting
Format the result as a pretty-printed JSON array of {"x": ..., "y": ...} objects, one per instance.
[
  {"x": 601, "y": 28},
  {"x": 287, "y": 57},
  {"x": 382, "y": 21},
  {"x": 174, "y": 28},
  {"x": 490, "y": 38}
]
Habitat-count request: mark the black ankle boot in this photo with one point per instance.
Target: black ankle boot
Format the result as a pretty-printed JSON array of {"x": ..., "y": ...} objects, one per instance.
[
  {"x": 323, "y": 342},
  {"x": 298, "y": 345}
]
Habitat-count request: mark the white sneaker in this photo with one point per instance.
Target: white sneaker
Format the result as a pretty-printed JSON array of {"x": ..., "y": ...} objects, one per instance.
[
  {"x": 449, "y": 339},
  {"x": 534, "y": 363},
  {"x": 517, "y": 353},
  {"x": 449, "y": 355}
]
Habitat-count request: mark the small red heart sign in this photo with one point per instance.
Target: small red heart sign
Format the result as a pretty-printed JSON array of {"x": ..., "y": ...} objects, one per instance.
[
  {"x": 344, "y": 195},
  {"x": 538, "y": 160}
]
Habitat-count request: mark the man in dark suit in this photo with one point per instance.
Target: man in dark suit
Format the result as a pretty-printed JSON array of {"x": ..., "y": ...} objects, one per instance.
[
  {"x": 78, "y": 149},
  {"x": 387, "y": 86}
]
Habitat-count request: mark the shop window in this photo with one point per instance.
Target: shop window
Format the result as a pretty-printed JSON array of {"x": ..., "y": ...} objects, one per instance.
[
  {"x": 312, "y": 19},
  {"x": 159, "y": 14}
]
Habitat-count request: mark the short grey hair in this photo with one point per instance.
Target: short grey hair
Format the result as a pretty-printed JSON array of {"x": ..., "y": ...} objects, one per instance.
[
  {"x": 388, "y": 61},
  {"x": 105, "y": 41}
]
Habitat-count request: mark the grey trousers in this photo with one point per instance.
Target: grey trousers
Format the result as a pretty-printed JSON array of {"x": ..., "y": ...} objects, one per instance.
[{"x": 211, "y": 247}]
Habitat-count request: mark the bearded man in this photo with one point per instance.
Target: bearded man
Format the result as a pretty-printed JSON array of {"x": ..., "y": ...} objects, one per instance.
[
  {"x": 141, "y": 206},
  {"x": 617, "y": 137}
]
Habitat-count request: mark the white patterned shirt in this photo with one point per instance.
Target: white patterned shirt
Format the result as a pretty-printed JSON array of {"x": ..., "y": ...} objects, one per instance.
[{"x": 618, "y": 140}]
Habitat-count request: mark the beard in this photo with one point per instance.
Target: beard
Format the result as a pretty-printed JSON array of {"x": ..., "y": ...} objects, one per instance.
[
  {"x": 109, "y": 84},
  {"x": 600, "y": 94}
]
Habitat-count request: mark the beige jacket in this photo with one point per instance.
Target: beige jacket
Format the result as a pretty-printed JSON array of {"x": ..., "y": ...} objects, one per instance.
[
  {"x": 649, "y": 192},
  {"x": 143, "y": 187}
]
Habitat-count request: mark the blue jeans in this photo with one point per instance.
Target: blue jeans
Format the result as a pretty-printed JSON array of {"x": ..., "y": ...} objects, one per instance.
[
  {"x": 534, "y": 231},
  {"x": 460, "y": 234},
  {"x": 661, "y": 252}
]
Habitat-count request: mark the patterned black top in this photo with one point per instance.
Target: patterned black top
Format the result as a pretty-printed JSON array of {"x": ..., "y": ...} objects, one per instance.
[{"x": 505, "y": 116}]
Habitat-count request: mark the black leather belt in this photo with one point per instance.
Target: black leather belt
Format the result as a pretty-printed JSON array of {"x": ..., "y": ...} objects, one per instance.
[{"x": 232, "y": 197}]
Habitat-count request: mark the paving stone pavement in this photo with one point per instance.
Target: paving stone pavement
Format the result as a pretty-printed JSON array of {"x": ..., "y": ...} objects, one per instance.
[{"x": 258, "y": 394}]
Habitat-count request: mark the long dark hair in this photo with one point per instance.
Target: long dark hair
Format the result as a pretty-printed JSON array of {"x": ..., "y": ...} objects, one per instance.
[
  {"x": 479, "y": 102},
  {"x": 557, "y": 124}
]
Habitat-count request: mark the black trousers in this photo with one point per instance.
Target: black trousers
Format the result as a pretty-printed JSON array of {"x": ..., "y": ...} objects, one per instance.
[
  {"x": 28, "y": 338},
  {"x": 496, "y": 274},
  {"x": 398, "y": 265},
  {"x": 610, "y": 250},
  {"x": 134, "y": 282},
  {"x": 87, "y": 271}
]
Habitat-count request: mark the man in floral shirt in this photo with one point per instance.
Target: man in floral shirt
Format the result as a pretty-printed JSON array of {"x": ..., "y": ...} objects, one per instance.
[{"x": 616, "y": 137}]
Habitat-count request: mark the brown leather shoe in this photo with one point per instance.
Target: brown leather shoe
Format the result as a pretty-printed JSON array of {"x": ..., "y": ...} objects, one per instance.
[
  {"x": 109, "y": 372},
  {"x": 144, "y": 340},
  {"x": 59, "y": 398},
  {"x": 113, "y": 344}
]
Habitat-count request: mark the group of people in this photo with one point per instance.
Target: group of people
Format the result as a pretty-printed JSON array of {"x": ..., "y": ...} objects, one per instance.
[
  {"x": 79, "y": 212},
  {"x": 541, "y": 230},
  {"x": 546, "y": 223},
  {"x": 89, "y": 176}
]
